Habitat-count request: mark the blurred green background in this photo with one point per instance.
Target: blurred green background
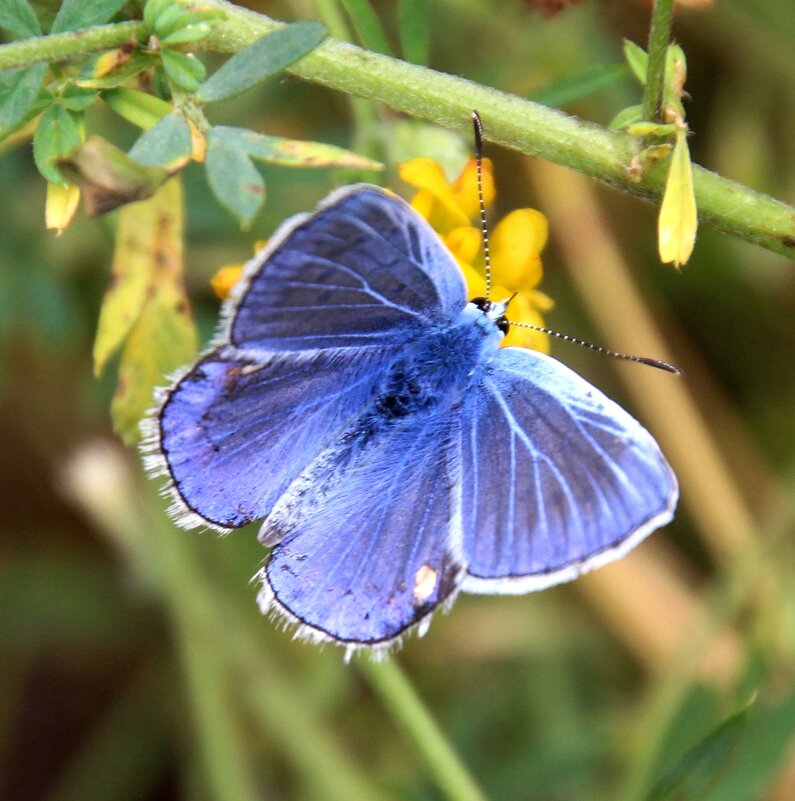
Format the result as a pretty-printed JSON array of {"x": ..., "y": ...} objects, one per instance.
[{"x": 134, "y": 662}]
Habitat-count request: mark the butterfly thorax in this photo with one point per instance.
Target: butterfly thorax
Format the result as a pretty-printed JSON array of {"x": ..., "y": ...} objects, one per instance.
[{"x": 438, "y": 365}]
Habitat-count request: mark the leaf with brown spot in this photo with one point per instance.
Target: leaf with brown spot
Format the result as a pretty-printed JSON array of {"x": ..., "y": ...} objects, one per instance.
[
  {"x": 146, "y": 309},
  {"x": 290, "y": 152}
]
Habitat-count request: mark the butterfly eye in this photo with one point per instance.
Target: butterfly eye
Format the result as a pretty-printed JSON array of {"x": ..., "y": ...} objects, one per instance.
[
  {"x": 503, "y": 324},
  {"x": 481, "y": 303}
]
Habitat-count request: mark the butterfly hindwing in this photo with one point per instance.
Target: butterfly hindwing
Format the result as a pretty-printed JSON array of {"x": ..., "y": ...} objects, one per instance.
[
  {"x": 364, "y": 270},
  {"x": 367, "y": 535},
  {"x": 557, "y": 477}
]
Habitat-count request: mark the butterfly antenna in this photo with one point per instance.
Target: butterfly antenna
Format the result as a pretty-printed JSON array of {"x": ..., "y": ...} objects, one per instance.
[
  {"x": 478, "y": 126},
  {"x": 658, "y": 363}
]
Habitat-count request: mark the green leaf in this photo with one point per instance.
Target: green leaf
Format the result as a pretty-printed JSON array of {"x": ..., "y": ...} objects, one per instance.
[
  {"x": 57, "y": 135},
  {"x": 637, "y": 58},
  {"x": 183, "y": 69},
  {"x": 17, "y": 17},
  {"x": 162, "y": 336},
  {"x": 172, "y": 19},
  {"x": 262, "y": 59},
  {"x": 19, "y": 90},
  {"x": 139, "y": 108},
  {"x": 108, "y": 177},
  {"x": 167, "y": 144},
  {"x": 646, "y": 128},
  {"x": 760, "y": 754},
  {"x": 153, "y": 9},
  {"x": 414, "y": 31},
  {"x": 76, "y": 14},
  {"x": 368, "y": 26},
  {"x": 234, "y": 180},
  {"x": 675, "y": 76},
  {"x": 190, "y": 33},
  {"x": 289, "y": 152},
  {"x": 691, "y": 778},
  {"x": 77, "y": 98},
  {"x": 577, "y": 85},
  {"x": 627, "y": 116}
]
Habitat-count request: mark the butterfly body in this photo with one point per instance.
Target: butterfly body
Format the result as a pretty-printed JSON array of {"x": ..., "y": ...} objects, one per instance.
[
  {"x": 359, "y": 405},
  {"x": 439, "y": 366}
]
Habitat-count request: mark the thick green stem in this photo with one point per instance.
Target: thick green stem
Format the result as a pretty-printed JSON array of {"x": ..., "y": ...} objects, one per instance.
[
  {"x": 406, "y": 706},
  {"x": 662, "y": 16},
  {"x": 447, "y": 100},
  {"x": 519, "y": 124},
  {"x": 72, "y": 44}
]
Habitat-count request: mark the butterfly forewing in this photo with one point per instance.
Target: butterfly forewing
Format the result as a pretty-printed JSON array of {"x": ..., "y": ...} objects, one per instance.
[{"x": 364, "y": 270}]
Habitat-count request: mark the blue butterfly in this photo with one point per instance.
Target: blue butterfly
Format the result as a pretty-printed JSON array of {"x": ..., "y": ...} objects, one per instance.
[{"x": 360, "y": 405}]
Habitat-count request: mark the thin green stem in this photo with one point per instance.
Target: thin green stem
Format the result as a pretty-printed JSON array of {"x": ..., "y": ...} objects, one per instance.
[
  {"x": 447, "y": 100},
  {"x": 399, "y": 696},
  {"x": 662, "y": 16},
  {"x": 72, "y": 44}
]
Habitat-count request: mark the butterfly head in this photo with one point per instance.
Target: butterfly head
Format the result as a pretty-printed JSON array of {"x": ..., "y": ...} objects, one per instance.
[{"x": 494, "y": 310}]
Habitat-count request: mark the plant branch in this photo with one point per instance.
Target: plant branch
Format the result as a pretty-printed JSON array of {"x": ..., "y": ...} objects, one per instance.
[
  {"x": 399, "y": 696},
  {"x": 662, "y": 16},
  {"x": 72, "y": 44},
  {"x": 447, "y": 100},
  {"x": 519, "y": 124}
]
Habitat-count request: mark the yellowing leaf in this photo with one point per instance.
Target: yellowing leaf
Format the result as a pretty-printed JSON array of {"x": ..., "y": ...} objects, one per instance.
[
  {"x": 131, "y": 275},
  {"x": 678, "y": 220},
  {"x": 161, "y": 336}
]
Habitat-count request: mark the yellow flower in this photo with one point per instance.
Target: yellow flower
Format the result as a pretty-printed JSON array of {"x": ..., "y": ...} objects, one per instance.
[
  {"x": 226, "y": 277},
  {"x": 515, "y": 243}
]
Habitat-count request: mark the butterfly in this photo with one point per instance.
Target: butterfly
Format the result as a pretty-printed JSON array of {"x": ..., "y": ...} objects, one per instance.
[{"x": 357, "y": 402}]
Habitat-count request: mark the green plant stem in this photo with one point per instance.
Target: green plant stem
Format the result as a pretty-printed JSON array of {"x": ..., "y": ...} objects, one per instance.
[
  {"x": 366, "y": 138},
  {"x": 662, "y": 16},
  {"x": 61, "y": 46},
  {"x": 509, "y": 120},
  {"x": 405, "y": 705}
]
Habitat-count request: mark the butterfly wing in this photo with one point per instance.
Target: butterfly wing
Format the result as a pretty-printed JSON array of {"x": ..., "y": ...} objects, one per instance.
[
  {"x": 234, "y": 432},
  {"x": 365, "y": 546},
  {"x": 364, "y": 271},
  {"x": 557, "y": 478},
  {"x": 320, "y": 316}
]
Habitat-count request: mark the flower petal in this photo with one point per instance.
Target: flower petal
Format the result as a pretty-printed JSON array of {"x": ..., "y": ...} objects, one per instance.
[
  {"x": 522, "y": 310},
  {"x": 225, "y": 278},
  {"x": 516, "y": 244},
  {"x": 466, "y": 244},
  {"x": 465, "y": 188},
  {"x": 436, "y": 200}
]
